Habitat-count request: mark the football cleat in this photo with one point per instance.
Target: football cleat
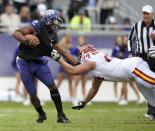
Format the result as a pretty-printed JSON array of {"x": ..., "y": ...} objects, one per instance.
[
  {"x": 63, "y": 119},
  {"x": 41, "y": 118},
  {"x": 150, "y": 116}
]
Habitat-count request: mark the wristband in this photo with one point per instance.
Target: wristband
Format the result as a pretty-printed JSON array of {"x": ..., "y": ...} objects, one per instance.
[{"x": 26, "y": 43}]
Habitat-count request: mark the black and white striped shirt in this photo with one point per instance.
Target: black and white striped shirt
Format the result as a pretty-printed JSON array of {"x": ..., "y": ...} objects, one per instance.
[{"x": 140, "y": 34}]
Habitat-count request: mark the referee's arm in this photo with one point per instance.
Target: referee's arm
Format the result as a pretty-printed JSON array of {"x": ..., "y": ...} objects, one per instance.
[{"x": 131, "y": 38}]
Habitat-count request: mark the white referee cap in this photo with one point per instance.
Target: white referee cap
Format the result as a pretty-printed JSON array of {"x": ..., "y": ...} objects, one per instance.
[{"x": 147, "y": 8}]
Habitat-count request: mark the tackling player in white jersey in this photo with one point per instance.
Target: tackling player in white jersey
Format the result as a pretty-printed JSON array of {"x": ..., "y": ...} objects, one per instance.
[{"x": 103, "y": 67}]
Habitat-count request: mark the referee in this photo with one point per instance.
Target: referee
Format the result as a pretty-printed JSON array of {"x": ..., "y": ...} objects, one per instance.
[{"x": 140, "y": 34}]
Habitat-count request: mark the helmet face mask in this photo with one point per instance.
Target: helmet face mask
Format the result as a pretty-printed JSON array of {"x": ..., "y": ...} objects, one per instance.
[
  {"x": 52, "y": 19},
  {"x": 55, "y": 24}
]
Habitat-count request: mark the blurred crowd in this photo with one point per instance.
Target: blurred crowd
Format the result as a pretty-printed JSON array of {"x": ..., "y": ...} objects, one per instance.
[{"x": 79, "y": 15}]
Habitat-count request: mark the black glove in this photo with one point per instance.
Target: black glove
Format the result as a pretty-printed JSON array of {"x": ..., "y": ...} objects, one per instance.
[{"x": 79, "y": 106}]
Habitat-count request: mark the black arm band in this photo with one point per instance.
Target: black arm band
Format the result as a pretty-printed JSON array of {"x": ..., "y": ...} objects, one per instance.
[{"x": 26, "y": 42}]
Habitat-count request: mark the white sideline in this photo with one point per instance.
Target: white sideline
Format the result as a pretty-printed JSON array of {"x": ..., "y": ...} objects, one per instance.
[{"x": 105, "y": 93}]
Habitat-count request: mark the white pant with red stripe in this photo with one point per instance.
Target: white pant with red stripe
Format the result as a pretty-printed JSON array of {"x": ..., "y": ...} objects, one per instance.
[{"x": 145, "y": 81}]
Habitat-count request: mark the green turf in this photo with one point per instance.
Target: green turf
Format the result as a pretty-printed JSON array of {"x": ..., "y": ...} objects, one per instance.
[{"x": 97, "y": 117}]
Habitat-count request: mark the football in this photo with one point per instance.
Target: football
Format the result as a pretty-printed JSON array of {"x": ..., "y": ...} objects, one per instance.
[{"x": 31, "y": 37}]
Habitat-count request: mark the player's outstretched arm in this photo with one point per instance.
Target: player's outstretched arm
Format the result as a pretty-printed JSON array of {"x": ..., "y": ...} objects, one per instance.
[
  {"x": 65, "y": 54},
  {"x": 96, "y": 83},
  {"x": 79, "y": 69},
  {"x": 74, "y": 70},
  {"x": 94, "y": 89}
]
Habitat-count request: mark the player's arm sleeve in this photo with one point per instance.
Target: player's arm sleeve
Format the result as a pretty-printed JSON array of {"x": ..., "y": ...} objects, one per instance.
[
  {"x": 36, "y": 25},
  {"x": 131, "y": 38}
]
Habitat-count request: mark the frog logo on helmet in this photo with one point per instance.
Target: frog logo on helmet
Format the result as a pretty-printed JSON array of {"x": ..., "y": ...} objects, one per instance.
[
  {"x": 50, "y": 12},
  {"x": 52, "y": 19}
]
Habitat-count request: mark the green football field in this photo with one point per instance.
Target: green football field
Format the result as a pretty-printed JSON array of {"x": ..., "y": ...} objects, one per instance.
[{"x": 100, "y": 116}]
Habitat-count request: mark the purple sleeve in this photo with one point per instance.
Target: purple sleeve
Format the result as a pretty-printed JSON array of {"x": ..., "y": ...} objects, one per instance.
[
  {"x": 14, "y": 58},
  {"x": 36, "y": 25},
  {"x": 74, "y": 51},
  {"x": 114, "y": 53}
]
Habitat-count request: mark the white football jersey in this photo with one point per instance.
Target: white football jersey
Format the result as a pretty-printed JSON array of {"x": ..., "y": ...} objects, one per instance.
[{"x": 111, "y": 69}]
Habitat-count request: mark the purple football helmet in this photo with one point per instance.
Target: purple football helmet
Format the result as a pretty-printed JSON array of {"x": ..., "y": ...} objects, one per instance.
[{"x": 52, "y": 19}]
